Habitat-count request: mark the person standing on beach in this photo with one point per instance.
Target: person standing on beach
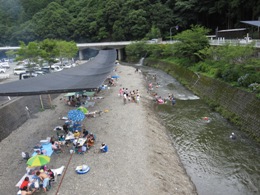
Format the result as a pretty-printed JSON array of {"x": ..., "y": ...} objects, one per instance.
[
  {"x": 125, "y": 98},
  {"x": 121, "y": 92}
]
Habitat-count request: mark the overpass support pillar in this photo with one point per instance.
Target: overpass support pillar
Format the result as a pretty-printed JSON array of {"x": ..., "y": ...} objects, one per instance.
[
  {"x": 120, "y": 54},
  {"x": 81, "y": 57}
]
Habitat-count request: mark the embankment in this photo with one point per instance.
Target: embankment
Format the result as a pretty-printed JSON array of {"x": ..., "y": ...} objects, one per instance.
[
  {"x": 240, "y": 107},
  {"x": 15, "y": 113}
]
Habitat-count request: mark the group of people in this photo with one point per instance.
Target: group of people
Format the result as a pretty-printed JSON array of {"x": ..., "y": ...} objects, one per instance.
[
  {"x": 90, "y": 141},
  {"x": 129, "y": 96},
  {"x": 42, "y": 177},
  {"x": 161, "y": 100}
]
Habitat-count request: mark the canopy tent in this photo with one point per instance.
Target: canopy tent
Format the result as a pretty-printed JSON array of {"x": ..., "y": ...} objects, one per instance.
[{"x": 87, "y": 76}]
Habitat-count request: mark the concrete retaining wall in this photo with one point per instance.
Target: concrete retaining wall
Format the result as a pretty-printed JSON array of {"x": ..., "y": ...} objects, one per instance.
[
  {"x": 14, "y": 113},
  {"x": 244, "y": 107}
]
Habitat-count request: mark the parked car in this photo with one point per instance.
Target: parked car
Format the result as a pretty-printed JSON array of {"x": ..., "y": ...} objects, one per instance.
[
  {"x": 52, "y": 69},
  {"x": 46, "y": 70},
  {"x": 27, "y": 75},
  {"x": 66, "y": 66},
  {"x": 19, "y": 70},
  {"x": 4, "y": 65},
  {"x": 2, "y": 70},
  {"x": 246, "y": 40},
  {"x": 56, "y": 68},
  {"x": 39, "y": 72}
]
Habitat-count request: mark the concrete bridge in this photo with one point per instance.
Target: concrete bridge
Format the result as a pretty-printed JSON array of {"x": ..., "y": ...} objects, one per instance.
[
  {"x": 103, "y": 45},
  {"x": 119, "y": 46}
]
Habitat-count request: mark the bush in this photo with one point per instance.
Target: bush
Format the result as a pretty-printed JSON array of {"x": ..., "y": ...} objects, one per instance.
[
  {"x": 255, "y": 87},
  {"x": 230, "y": 75},
  {"x": 136, "y": 50},
  {"x": 247, "y": 79}
]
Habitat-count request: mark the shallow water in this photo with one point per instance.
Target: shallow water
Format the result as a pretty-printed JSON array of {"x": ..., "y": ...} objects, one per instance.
[{"x": 216, "y": 164}]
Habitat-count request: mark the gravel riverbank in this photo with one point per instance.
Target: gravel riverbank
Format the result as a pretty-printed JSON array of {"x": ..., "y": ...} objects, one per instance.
[{"x": 141, "y": 159}]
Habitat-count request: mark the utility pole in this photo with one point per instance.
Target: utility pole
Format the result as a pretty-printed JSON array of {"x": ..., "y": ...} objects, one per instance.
[{"x": 177, "y": 28}]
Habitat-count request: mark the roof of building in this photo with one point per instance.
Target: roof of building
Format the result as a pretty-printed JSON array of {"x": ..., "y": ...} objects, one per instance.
[
  {"x": 252, "y": 22},
  {"x": 232, "y": 30}
]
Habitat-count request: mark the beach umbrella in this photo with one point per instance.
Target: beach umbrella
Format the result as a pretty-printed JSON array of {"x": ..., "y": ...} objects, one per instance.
[
  {"x": 38, "y": 160},
  {"x": 83, "y": 109},
  {"x": 76, "y": 115}
]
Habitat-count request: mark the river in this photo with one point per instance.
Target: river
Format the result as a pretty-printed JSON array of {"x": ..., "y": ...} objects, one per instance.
[{"x": 217, "y": 164}]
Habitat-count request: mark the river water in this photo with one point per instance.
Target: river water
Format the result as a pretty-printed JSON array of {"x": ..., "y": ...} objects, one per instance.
[{"x": 217, "y": 164}]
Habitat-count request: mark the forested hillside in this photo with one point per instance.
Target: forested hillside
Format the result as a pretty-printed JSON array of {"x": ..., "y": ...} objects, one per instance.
[{"x": 116, "y": 20}]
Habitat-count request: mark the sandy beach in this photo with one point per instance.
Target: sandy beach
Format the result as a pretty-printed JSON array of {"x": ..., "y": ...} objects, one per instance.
[{"x": 141, "y": 158}]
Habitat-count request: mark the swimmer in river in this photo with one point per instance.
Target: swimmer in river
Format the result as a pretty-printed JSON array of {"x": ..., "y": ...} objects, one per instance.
[
  {"x": 206, "y": 119},
  {"x": 233, "y": 136}
]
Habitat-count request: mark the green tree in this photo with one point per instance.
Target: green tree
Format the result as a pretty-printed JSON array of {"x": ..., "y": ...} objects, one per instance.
[
  {"x": 53, "y": 22},
  {"x": 153, "y": 33},
  {"x": 137, "y": 25},
  {"x": 31, "y": 7},
  {"x": 190, "y": 42},
  {"x": 10, "y": 54},
  {"x": 66, "y": 49},
  {"x": 30, "y": 53},
  {"x": 136, "y": 50},
  {"x": 49, "y": 50}
]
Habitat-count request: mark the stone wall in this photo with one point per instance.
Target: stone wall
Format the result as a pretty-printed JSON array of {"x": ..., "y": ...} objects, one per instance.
[
  {"x": 14, "y": 113},
  {"x": 242, "y": 107}
]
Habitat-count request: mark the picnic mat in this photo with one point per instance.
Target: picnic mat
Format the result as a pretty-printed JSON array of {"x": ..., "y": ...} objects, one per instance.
[{"x": 47, "y": 148}]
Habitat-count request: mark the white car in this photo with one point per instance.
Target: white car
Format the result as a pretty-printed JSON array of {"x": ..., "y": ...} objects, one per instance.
[
  {"x": 52, "y": 69},
  {"x": 4, "y": 65},
  {"x": 19, "y": 70},
  {"x": 2, "y": 70},
  {"x": 66, "y": 66},
  {"x": 27, "y": 75},
  {"x": 246, "y": 40}
]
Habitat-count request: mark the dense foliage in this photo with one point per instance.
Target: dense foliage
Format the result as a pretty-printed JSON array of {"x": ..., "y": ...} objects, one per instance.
[
  {"x": 237, "y": 65},
  {"x": 117, "y": 20}
]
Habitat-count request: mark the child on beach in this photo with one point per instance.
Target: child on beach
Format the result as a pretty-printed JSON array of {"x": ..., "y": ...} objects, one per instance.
[
  {"x": 137, "y": 99},
  {"x": 103, "y": 148},
  {"x": 121, "y": 92}
]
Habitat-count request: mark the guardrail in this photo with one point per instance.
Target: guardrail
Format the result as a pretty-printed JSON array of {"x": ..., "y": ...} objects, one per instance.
[
  {"x": 255, "y": 42},
  {"x": 121, "y": 44}
]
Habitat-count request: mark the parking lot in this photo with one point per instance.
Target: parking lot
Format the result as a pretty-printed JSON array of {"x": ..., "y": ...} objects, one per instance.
[{"x": 8, "y": 76}]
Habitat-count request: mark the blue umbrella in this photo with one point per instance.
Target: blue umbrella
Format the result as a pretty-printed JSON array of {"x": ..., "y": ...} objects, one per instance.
[{"x": 76, "y": 115}]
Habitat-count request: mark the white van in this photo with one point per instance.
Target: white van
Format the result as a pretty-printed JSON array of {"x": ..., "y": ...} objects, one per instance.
[{"x": 19, "y": 70}]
